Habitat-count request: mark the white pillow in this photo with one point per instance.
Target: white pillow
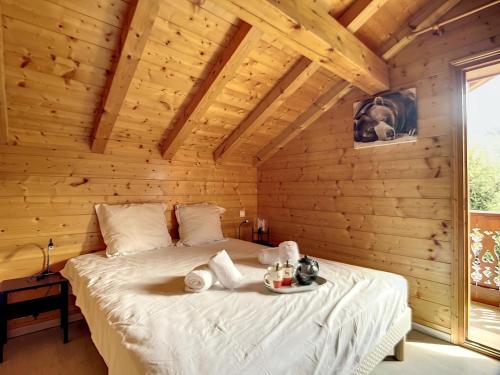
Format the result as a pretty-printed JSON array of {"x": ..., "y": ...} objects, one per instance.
[
  {"x": 199, "y": 223},
  {"x": 132, "y": 228}
]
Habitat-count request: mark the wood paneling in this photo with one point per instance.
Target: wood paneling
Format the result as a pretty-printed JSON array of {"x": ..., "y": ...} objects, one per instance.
[
  {"x": 51, "y": 194},
  {"x": 385, "y": 207},
  {"x": 353, "y": 19},
  {"x": 4, "y": 121},
  {"x": 224, "y": 68},
  {"x": 318, "y": 36},
  {"x": 426, "y": 17},
  {"x": 324, "y": 102},
  {"x": 287, "y": 85},
  {"x": 58, "y": 67}
]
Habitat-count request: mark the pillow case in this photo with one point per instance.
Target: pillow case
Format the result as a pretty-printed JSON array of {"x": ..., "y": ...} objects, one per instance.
[
  {"x": 199, "y": 223},
  {"x": 132, "y": 228}
]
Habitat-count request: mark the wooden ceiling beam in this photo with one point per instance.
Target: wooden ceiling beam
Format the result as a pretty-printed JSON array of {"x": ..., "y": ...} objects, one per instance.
[
  {"x": 142, "y": 15},
  {"x": 226, "y": 65},
  {"x": 285, "y": 87},
  {"x": 359, "y": 13},
  {"x": 317, "y": 36},
  {"x": 427, "y": 17},
  {"x": 353, "y": 19},
  {"x": 320, "y": 106},
  {"x": 4, "y": 120}
]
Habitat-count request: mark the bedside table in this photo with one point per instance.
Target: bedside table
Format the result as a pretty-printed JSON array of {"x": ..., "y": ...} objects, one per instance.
[{"x": 34, "y": 306}]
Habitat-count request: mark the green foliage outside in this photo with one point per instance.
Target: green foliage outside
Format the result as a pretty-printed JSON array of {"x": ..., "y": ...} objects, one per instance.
[{"x": 484, "y": 181}]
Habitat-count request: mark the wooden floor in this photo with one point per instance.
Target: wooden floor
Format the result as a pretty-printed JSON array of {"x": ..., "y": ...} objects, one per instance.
[
  {"x": 484, "y": 325},
  {"x": 44, "y": 353}
]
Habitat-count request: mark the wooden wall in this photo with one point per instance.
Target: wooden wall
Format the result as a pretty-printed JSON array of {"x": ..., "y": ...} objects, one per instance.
[
  {"x": 45, "y": 193},
  {"x": 59, "y": 55},
  {"x": 51, "y": 194},
  {"x": 59, "y": 58},
  {"x": 386, "y": 207}
]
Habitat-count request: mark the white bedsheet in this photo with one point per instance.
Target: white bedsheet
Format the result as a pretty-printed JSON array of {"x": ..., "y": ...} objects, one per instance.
[{"x": 142, "y": 321}]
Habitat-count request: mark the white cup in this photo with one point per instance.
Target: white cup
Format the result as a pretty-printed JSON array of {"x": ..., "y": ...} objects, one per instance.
[{"x": 274, "y": 278}]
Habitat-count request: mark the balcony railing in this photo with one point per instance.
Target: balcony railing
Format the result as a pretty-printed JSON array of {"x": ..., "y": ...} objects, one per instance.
[{"x": 485, "y": 257}]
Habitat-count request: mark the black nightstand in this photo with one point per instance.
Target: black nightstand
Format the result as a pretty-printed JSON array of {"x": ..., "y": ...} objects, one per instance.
[{"x": 33, "y": 306}]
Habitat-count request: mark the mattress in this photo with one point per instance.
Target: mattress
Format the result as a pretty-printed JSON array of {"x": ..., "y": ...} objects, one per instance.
[{"x": 142, "y": 321}]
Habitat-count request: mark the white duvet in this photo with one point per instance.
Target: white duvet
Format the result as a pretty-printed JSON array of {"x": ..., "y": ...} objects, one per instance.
[{"x": 142, "y": 321}]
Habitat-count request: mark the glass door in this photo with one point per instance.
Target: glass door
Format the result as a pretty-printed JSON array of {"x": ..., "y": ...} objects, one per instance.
[{"x": 483, "y": 177}]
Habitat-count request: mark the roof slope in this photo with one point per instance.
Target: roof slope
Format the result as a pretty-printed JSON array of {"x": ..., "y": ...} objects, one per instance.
[{"x": 68, "y": 63}]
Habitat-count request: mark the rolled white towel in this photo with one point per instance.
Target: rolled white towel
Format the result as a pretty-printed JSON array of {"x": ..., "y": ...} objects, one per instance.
[
  {"x": 199, "y": 280},
  {"x": 269, "y": 255},
  {"x": 225, "y": 270},
  {"x": 289, "y": 251}
]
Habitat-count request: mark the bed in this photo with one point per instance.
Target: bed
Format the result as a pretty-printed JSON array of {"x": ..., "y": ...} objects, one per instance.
[{"x": 142, "y": 321}]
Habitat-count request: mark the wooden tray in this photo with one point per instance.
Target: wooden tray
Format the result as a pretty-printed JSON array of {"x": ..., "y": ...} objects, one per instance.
[{"x": 297, "y": 288}]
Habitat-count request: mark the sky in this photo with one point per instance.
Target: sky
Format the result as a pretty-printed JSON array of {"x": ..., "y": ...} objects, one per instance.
[{"x": 483, "y": 118}]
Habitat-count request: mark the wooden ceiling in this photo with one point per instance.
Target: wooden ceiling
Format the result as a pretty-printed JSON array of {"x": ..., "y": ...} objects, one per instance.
[{"x": 225, "y": 80}]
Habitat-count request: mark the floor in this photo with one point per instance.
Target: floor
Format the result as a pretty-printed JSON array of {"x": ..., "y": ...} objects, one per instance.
[
  {"x": 426, "y": 355},
  {"x": 48, "y": 355},
  {"x": 484, "y": 324}
]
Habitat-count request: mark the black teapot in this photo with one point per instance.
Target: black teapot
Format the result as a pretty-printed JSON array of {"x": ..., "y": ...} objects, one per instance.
[{"x": 306, "y": 271}]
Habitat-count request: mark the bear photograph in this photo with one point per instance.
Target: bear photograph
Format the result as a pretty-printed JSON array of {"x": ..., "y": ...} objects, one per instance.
[{"x": 387, "y": 118}]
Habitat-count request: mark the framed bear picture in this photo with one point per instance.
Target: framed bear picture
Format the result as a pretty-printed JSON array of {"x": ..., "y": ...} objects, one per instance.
[{"x": 387, "y": 118}]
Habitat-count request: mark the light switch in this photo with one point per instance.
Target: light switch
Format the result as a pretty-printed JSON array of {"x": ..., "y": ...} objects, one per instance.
[{"x": 242, "y": 213}]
